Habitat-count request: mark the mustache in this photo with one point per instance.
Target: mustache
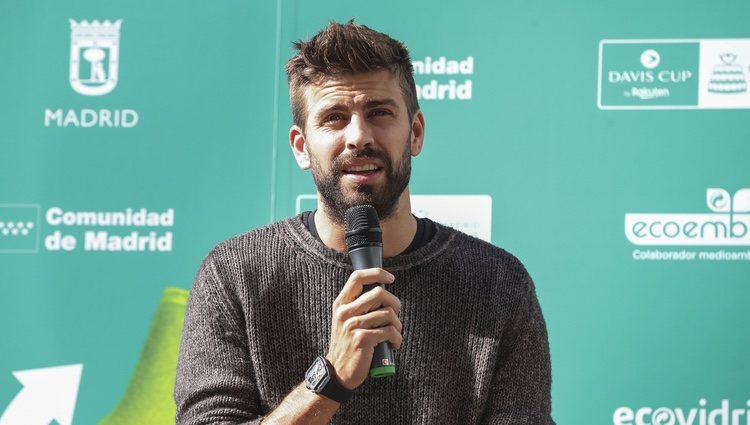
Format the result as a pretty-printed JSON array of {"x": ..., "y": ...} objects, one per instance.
[{"x": 366, "y": 152}]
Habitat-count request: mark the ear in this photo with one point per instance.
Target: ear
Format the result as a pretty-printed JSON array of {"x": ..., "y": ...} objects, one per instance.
[
  {"x": 417, "y": 133},
  {"x": 299, "y": 147}
]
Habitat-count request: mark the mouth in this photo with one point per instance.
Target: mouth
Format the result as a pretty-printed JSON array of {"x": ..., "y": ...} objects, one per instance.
[{"x": 363, "y": 169}]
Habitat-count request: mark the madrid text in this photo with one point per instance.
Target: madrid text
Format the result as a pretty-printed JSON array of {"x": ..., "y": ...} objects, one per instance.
[
  {"x": 451, "y": 89},
  {"x": 102, "y": 240},
  {"x": 105, "y": 241},
  {"x": 112, "y": 234},
  {"x": 87, "y": 118}
]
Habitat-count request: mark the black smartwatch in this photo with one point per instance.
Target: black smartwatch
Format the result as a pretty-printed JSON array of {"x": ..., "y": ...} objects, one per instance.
[{"x": 320, "y": 379}]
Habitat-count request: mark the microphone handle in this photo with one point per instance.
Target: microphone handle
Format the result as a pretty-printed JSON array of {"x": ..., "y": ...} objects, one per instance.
[{"x": 367, "y": 257}]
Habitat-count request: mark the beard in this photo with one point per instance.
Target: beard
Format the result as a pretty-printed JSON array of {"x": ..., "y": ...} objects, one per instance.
[{"x": 383, "y": 198}]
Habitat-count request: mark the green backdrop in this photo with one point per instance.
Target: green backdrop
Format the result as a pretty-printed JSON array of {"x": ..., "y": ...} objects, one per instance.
[{"x": 608, "y": 141}]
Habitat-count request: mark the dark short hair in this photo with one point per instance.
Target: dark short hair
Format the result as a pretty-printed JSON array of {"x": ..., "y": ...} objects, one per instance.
[{"x": 342, "y": 49}]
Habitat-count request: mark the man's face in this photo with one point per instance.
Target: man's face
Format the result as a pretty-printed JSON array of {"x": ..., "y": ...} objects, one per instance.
[{"x": 358, "y": 142}]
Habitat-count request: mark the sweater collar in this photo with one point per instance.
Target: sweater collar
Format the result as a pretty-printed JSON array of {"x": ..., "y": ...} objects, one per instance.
[{"x": 300, "y": 236}]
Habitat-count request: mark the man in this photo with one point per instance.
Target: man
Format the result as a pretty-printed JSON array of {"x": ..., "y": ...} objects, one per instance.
[{"x": 269, "y": 305}]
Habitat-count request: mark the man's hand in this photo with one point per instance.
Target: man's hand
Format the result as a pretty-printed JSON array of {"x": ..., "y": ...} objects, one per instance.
[{"x": 360, "y": 322}]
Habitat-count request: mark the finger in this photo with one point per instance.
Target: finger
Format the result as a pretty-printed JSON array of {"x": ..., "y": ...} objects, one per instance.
[
  {"x": 379, "y": 318},
  {"x": 372, "y": 300},
  {"x": 399, "y": 326},
  {"x": 392, "y": 336},
  {"x": 353, "y": 286},
  {"x": 369, "y": 338},
  {"x": 392, "y": 301}
]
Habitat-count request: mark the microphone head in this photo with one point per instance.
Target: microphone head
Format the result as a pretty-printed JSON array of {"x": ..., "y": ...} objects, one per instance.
[{"x": 362, "y": 227}]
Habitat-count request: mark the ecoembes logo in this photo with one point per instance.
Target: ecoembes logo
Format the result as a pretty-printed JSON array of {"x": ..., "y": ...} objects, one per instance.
[
  {"x": 94, "y": 71},
  {"x": 724, "y": 414},
  {"x": 728, "y": 225}
]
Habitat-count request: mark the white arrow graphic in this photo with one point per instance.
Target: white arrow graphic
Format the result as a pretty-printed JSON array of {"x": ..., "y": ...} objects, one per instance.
[{"x": 48, "y": 393}]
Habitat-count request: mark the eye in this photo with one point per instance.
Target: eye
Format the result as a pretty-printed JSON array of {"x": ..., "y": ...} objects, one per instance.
[
  {"x": 333, "y": 117},
  {"x": 380, "y": 113}
]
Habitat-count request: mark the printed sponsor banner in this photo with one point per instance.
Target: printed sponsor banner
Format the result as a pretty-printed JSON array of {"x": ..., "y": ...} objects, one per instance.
[
  {"x": 19, "y": 228},
  {"x": 135, "y": 138},
  {"x": 127, "y": 230},
  {"x": 725, "y": 413},
  {"x": 728, "y": 225},
  {"x": 674, "y": 74},
  {"x": 442, "y": 78},
  {"x": 95, "y": 47},
  {"x": 94, "y": 71}
]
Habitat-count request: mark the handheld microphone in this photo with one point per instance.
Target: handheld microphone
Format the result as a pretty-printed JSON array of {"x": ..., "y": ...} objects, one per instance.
[{"x": 364, "y": 239}]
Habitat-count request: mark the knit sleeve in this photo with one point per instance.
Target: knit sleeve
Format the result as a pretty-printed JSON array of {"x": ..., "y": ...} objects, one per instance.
[
  {"x": 215, "y": 382},
  {"x": 521, "y": 389}
]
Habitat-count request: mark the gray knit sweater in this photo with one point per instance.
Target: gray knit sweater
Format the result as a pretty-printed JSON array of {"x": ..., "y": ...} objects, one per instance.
[{"x": 475, "y": 344}]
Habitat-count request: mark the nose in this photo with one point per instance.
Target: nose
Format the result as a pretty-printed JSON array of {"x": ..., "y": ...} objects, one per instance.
[{"x": 357, "y": 133}]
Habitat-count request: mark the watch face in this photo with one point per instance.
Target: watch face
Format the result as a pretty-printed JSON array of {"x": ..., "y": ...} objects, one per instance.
[{"x": 317, "y": 376}]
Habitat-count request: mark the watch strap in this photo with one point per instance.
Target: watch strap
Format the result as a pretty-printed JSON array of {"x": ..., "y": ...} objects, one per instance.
[{"x": 333, "y": 389}]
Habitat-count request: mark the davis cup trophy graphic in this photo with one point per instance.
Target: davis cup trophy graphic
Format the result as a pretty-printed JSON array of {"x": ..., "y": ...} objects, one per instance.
[
  {"x": 94, "y": 54},
  {"x": 729, "y": 77}
]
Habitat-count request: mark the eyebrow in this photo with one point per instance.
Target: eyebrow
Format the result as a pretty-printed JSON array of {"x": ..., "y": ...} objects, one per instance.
[
  {"x": 373, "y": 103},
  {"x": 369, "y": 104}
]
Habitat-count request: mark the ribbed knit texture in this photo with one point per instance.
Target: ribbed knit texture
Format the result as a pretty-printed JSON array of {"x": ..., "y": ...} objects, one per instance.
[{"x": 475, "y": 343}]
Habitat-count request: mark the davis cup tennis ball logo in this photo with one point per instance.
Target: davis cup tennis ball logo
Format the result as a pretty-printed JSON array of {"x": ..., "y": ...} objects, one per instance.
[
  {"x": 94, "y": 54},
  {"x": 19, "y": 228},
  {"x": 650, "y": 59}
]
